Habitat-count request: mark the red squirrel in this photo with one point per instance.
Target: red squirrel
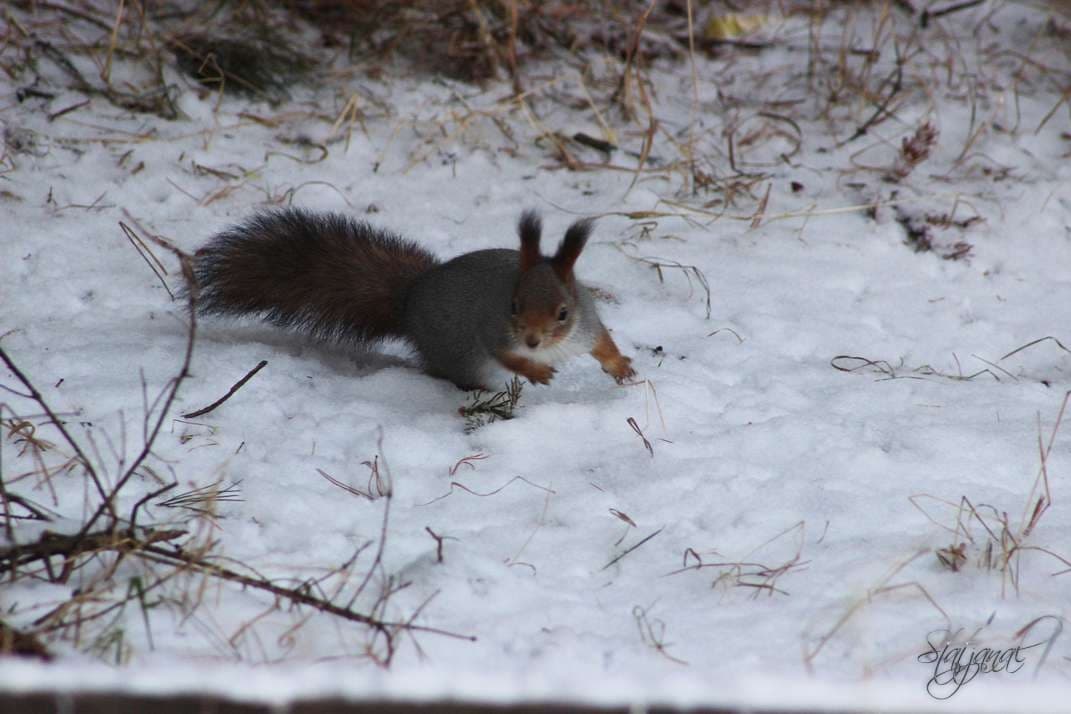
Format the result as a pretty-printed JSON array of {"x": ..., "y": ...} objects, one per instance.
[{"x": 337, "y": 278}]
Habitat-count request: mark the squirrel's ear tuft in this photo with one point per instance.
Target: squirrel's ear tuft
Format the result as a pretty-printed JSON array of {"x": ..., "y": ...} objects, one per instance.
[
  {"x": 530, "y": 228},
  {"x": 569, "y": 250}
]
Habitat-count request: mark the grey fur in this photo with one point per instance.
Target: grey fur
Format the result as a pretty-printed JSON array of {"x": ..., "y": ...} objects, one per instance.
[{"x": 457, "y": 315}]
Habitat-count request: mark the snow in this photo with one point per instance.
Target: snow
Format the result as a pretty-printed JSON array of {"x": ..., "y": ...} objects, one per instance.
[{"x": 761, "y": 450}]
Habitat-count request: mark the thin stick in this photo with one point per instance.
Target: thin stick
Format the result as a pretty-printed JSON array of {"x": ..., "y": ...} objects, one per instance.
[
  {"x": 67, "y": 110},
  {"x": 36, "y": 396},
  {"x": 237, "y": 385},
  {"x": 622, "y": 92},
  {"x": 927, "y": 15},
  {"x": 106, "y": 73},
  {"x": 170, "y": 390},
  {"x": 636, "y": 428},
  {"x": 760, "y": 212},
  {"x": 142, "y": 249},
  {"x": 466, "y": 489},
  {"x": 438, "y": 544},
  {"x": 1045, "y": 120},
  {"x": 1031, "y": 344},
  {"x": 897, "y": 78},
  {"x": 74, "y": 12},
  {"x": 633, "y": 548}
]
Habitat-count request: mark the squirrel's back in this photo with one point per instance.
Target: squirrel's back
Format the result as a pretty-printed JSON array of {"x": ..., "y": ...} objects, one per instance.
[
  {"x": 456, "y": 315},
  {"x": 326, "y": 274}
]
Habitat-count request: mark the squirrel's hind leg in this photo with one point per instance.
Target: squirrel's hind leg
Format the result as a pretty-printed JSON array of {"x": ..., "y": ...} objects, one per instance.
[
  {"x": 468, "y": 372},
  {"x": 465, "y": 380}
]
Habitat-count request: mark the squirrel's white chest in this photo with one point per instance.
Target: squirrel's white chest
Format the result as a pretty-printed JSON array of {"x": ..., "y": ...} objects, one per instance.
[{"x": 574, "y": 345}]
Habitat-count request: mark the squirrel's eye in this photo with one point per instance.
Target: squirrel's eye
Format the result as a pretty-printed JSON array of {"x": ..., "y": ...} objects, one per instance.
[
  {"x": 563, "y": 314},
  {"x": 514, "y": 308}
]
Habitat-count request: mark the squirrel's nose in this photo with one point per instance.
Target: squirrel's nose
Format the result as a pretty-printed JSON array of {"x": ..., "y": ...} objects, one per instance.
[{"x": 532, "y": 341}]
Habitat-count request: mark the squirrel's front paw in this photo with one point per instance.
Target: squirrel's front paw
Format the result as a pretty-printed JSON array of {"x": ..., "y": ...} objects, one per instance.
[
  {"x": 538, "y": 373},
  {"x": 620, "y": 369}
]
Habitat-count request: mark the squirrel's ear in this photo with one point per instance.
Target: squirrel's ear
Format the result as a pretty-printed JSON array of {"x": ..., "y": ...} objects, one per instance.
[
  {"x": 570, "y": 248},
  {"x": 530, "y": 228}
]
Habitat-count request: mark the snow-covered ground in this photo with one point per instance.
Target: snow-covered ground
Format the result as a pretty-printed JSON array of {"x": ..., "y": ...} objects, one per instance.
[{"x": 810, "y": 440}]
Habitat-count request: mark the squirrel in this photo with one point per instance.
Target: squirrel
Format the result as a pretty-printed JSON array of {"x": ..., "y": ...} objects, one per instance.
[{"x": 338, "y": 278}]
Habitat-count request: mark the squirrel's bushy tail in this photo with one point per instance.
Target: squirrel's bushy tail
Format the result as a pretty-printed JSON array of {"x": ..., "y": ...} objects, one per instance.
[{"x": 325, "y": 274}]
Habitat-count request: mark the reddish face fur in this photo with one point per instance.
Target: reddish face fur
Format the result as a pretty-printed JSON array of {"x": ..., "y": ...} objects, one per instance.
[
  {"x": 544, "y": 301},
  {"x": 543, "y": 312}
]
